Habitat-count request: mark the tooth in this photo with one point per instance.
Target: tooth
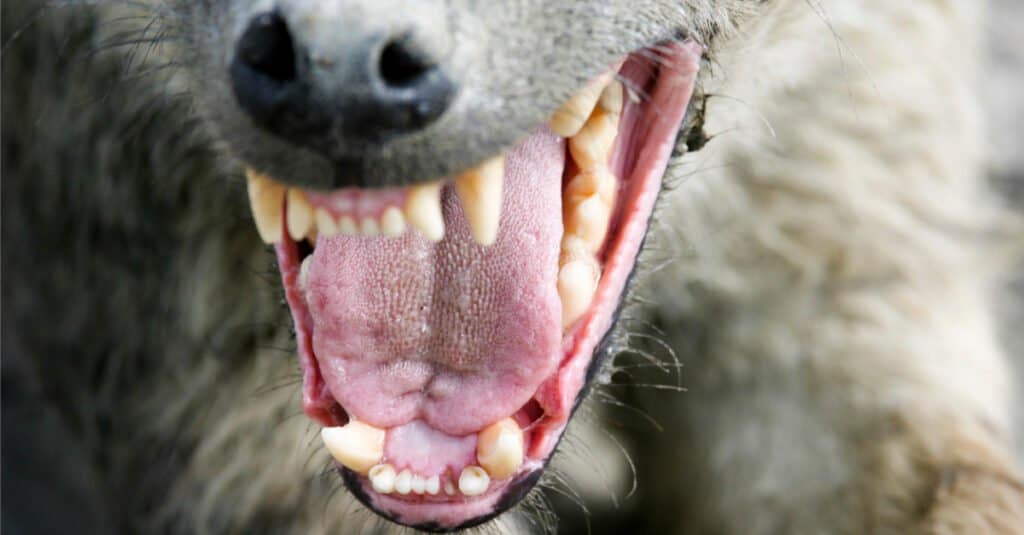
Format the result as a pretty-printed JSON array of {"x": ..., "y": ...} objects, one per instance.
[
  {"x": 473, "y": 481},
  {"x": 612, "y": 98},
  {"x": 382, "y": 478},
  {"x": 480, "y": 192},
  {"x": 449, "y": 487},
  {"x": 423, "y": 210},
  {"x": 600, "y": 181},
  {"x": 577, "y": 282},
  {"x": 418, "y": 484},
  {"x": 300, "y": 214},
  {"x": 266, "y": 198},
  {"x": 499, "y": 448},
  {"x": 403, "y": 483},
  {"x": 568, "y": 119},
  {"x": 589, "y": 220},
  {"x": 357, "y": 446},
  {"x": 304, "y": 271},
  {"x": 325, "y": 223},
  {"x": 347, "y": 226},
  {"x": 369, "y": 227},
  {"x": 591, "y": 147},
  {"x": 433, "y": 485},
  {"x": 392, "y": 222}
]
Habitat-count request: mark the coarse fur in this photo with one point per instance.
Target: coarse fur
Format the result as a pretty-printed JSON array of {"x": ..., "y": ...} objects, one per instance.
[{"x": 821, "y": 278}]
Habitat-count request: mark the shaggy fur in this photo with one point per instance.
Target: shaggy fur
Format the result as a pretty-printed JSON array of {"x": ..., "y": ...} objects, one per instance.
[{"x": 820, "y": 279}]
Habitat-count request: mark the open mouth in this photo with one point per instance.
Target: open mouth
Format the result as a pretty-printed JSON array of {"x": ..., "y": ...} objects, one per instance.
[{"x": 445, "y": 330}]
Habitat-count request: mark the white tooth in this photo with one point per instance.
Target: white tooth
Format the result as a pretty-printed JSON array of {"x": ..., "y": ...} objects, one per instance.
[
  {"x": 266, "y": 198},
  {"x": 499, "y": 448},
  {"x": 369, "y": 227},
  {"x": 300, "y": 214},
  {"x": 569, "y": 118},
  {"x": 588, "y": 220},
  {"x": 347, "y": 226},
  {"x": 392, "y": 222},
  {"x": 325, "y": 223},
  {"x": 473, "y": 481},
  {"x": 480, "y": 192},
  {"x": 433, "y": 485},
  {"x": 304, "y": 271},
  {"x": 382, "y": 478},
  {"x": 591, "y": 147},
  {"x": 449, "y": 487},
  {"x": 418, "y": 484},
  {"x": 577, "y": 283},
  {"x": 403, "y": 483},
  {"x": 423, "y": 210},
  {"x": 357, "y": 446}
]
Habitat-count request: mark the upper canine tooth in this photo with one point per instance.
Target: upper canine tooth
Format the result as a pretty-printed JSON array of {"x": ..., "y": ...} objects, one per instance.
[
  {"x": 473, "y": 481},
  {"x": 569, "y": 118},
  {"x": 300, "y": 214},
  {"x": 266, "y": 198},
  {"x": 499, "y": 448},
  {"x": 423, "y": 210},
  {"x": 357, "y": 446},
  {"x": 480, "y": 192},
  {"x": 382, "y": 478}
]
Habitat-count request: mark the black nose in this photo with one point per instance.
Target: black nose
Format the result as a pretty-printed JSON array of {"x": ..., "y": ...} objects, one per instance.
[{"x": 367, "y": 87}]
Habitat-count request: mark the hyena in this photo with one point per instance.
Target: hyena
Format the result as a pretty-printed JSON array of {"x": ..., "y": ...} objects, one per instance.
[{"x": 478, "y": 214}]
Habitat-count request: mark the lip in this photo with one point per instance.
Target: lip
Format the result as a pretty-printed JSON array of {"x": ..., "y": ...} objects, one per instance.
[{"x": 641, "y": 157}]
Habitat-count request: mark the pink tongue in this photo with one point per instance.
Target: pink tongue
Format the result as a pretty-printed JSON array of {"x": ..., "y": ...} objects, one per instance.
[{"x": 455, "y": 334}]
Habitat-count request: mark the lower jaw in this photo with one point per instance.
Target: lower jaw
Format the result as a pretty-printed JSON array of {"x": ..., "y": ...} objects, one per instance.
[{"x": 639, "y": 161}]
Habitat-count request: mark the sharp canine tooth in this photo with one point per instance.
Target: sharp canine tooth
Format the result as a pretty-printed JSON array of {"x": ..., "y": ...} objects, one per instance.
[
  {"x": 304, "y": 271},
  {"x": 300, "y": 214},
  {"x": 418, "y": 484},
  {"x": 392, "y": 222},
  {"x": 577, "y": 283},
  {"x": 266, "y": 198},
  {"x": 347, "y": 226},
  {"x": 325, "y": 223},
  {"x": 357, "y": 446},
  {"x": 499, "y": 448},
  {"x": 433, "y": 485},
  {"x": 568, "y": 119},
  {"x": 403, "y": 483},
  {"x": 473, "y": 481},
  {"x": 382, "y": 478},
  {"x": 480, "y": 192},
  {"x": 423, "y": 210},
  {"x": 369, "y": 227}
]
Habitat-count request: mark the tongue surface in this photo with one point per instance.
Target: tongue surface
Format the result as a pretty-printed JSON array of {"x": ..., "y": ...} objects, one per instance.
[{"x": 455, "y": 334}]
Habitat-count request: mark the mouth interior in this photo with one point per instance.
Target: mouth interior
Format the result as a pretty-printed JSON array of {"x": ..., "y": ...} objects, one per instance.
[{"x": 430, "y": 343}]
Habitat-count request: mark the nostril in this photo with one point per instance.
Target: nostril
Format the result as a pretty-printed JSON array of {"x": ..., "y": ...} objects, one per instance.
[
  {"x": 400, "y": 64},
  {"x": 266, "y": 46}
]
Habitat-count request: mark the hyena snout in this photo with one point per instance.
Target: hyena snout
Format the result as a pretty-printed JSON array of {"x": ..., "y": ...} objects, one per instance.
[{"x": 317, "y": 73}]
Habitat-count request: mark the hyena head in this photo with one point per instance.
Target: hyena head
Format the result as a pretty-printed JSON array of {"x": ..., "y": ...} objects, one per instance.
[{"x": 457, "y": 193}]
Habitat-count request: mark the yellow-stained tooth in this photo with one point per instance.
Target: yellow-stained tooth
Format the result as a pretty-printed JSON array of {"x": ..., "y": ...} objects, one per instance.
[
  {"x": 300, "y": 214},
  {"x": 570, "y": 117},
  {"x": 499, "y": 448},
  {"x": 600, "y": 181},
  {"x": 325, "y": 223},
  {"x": 591, "y": 147},
  {"x": 266, "y": 198},
  {"x": 612, "y": 98},
  {"x": 392, "y": 222},
  {"x": 479, "y": 190},
  {"x": 357, "y": 446},
  {"x": 577, "y": 283},
  {"x": 423, "y": 210},
  {"x": 588, "y": 220}
]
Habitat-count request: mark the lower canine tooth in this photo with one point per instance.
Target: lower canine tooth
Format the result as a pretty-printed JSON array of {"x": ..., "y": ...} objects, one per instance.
[
  {"x": 300, "y": 214},
  {"x": 266, "y": 198},
  {"x": 480, "y": 192},
  {"x": 499, "y": 448},
  {"x": 382, "y": 478},
  {"x": 423, "y": 210},
  {"x": 392, "y": 223},
  {"x": 357, "y": 446},
  {"x": 403, "y": 483},
  {"x": 577, "y": 283},
  {"x": 473, "y": 481}
]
